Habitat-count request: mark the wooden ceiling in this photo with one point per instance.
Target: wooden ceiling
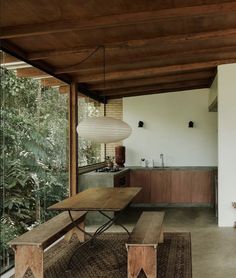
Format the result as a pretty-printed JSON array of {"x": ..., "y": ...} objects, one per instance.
[{"x": 150, "y": 46}]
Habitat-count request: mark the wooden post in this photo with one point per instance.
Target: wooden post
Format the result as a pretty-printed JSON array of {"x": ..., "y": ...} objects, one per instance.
[{"x": 73, "y": 139}]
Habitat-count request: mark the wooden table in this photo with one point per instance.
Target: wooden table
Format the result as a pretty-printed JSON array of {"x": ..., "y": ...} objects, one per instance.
[{"x": 100, "y": 199}]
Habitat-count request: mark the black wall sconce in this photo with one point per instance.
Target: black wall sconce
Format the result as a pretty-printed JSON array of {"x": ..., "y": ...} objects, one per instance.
[
  {"x": 190, "y": 124},
  {"x": 140, "y": 124}
]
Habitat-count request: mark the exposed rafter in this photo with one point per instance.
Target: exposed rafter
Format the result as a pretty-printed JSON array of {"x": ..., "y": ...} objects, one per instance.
[
  {"x": 147, "y": 72},
  {"x": 150, "y": 47},
  {"x": 115, "y": 20},
  {"x": 44, "y": 69},
  {"x": 135, "y": 43},
  {"x": 229, "y": 51},
  {"x": 156, "y": 80},
  {"x": 160, "y": 91}
]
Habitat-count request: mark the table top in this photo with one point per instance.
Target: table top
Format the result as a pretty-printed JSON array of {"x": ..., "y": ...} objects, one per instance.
[{"x": 102, "y": 198}]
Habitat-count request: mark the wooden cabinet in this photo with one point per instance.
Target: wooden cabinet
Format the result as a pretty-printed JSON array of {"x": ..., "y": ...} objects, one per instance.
[
  {"x": 141, "y": 178},
  {"x": 174, "y": 186},
  {"x": 181, "y": 186},
  {"x": 122, "y": 180},
  {"x": 202, "y": 187},
  {"x": 160, "y": 186}
]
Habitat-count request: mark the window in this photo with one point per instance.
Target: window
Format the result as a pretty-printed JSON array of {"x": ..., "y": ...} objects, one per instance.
[
  {"x": 34, "y": 156},
  {"x": 89, "y": 152}
]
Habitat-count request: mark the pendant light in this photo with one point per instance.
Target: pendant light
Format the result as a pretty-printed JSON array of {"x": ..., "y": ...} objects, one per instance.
[{"x": 103, "y": 129}]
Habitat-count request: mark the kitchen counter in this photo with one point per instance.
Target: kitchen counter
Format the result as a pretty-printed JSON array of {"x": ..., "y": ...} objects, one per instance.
[
  {"x": 180, "y": 168},
  {"x": 111, "y": 174}
]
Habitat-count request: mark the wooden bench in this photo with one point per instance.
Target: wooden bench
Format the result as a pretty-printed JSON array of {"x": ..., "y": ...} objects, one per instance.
[
  {"x": 142, "y": 244},
  {"x": 29, "y": 247}
]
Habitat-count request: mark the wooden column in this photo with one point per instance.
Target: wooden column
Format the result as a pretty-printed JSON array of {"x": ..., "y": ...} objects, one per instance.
[{"x": 73, "y": 139}]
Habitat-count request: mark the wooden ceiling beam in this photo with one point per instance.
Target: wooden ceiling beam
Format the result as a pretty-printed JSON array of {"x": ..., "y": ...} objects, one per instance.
[
  {"x": 44, "y": 68},
  {"x": 148, "y": 72},
  {"x": 91, "y": 94},
  {"x": 115, "y": 20},
  {"x": 51, "y": 82},
  {"x": 153, "y": 87},
  {"x": 31, "y": 72},
  {"x": 134, "y": 43},
  {"x": 125, "y": 84},
  {"x": 21, "y": 55},
  {"x": 229, "y": 50},
  {"x": 160, "y": 91}
]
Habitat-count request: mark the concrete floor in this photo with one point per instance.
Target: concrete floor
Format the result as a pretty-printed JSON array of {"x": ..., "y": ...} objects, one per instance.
[{"x": 213, "y": 248}]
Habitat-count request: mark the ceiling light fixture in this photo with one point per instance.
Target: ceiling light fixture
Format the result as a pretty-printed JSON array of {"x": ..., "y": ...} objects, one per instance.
[{"x": 103, "y": 129}]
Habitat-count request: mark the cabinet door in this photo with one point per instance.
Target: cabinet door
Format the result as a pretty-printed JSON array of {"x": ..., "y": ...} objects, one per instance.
[
  {"x": 203, "y": 187},
  {"x": 122, "y": 180},
  {"x": 160, "y": 186},
  {"x": 141, "y": 178},
  {"x": 181, "y": 186}
]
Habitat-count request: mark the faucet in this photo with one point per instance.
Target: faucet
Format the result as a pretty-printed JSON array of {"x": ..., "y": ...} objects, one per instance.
[{"x": 162, "y": 160}]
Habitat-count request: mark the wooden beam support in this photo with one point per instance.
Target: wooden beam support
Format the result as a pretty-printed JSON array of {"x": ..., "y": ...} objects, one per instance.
[
  {"x": 91, "y": 94},
  {"x": 52, "y": 81},
  {"x": 115, "y": 20},
  {"x": 161, "y": 91},
  {"x": 135, "y": 43},
  {"x": 73, "y": 140},
  {"x": 153, "y": 71},
  {"x": 6, "y": 58},
  {"x": 31, "y": 72},
  {"x": 229, "y": 52},
  {"x": 21, "y": 55},
  {"x": 156, "y": 87},
  {"x": 153, "y": 80}
]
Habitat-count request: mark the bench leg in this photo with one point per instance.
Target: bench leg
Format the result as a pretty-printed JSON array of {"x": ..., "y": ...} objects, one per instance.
[
  {"x": 142, "y": 258},
  {"x": 80, "y": 235},
  {"x": 28, "y": 257}
]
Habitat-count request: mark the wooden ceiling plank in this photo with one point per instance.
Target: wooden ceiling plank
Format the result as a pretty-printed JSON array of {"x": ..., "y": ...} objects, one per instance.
[
  {"x": 115, "y": 20},
  {"x": 230, "y": 50},
  {"x": 51, "y": 82},
  {"x": 155, "y": 87},
  {"x": 123, "y": 84},
  {"x": 136, "y": 43},
  {"x": 31, "y": 72},
  {"x": 148, "y": 72},
  {"x": 21, "y": 55},
  {"x": 171, "y": 90},
  {"x": 44, "y": 68}
]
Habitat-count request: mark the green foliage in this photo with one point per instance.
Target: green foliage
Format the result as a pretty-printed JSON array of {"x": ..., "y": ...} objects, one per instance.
[{"x": 33, "y": 153}]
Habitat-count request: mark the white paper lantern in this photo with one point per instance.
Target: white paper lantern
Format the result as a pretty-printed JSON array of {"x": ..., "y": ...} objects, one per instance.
[{"x": 103, "y": 129}]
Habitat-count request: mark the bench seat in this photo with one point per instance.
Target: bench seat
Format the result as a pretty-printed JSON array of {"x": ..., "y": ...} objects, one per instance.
[
  {"x": 29, "y": 246},
  {"x": 142, "y": 244}
]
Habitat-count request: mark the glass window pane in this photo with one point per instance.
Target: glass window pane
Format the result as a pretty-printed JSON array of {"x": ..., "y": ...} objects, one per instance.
[{"x": 34, "y": 155}]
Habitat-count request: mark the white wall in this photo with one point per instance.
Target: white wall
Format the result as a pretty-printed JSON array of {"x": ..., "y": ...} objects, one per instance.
[
  {"x": 227, "y": 143},
  {"x": 166, "y": 131}
]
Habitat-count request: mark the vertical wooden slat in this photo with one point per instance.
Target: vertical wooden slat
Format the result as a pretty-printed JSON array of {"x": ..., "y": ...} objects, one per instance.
[{"x": 73, "y": 139}]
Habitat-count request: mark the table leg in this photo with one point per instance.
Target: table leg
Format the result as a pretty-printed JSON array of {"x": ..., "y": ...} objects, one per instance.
[
  {"x": 115, "y": 219},
  {"x": 100, "y": 230}
]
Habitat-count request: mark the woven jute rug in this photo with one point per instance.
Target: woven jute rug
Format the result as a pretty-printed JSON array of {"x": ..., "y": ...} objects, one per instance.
[{"x": 107, "y": 258}]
